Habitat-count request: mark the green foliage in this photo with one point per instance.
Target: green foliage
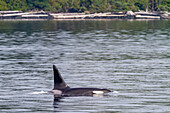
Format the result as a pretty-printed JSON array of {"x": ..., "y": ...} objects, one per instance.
[
  {"x": 85, "y": 5},
  {"x": 3, "y": 5},
  {"x": 16, "y": 5},
  {"x": 98, "y": 5}
]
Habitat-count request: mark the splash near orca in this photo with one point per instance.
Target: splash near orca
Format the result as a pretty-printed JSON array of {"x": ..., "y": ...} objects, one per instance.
[{"x": 61, "y": 88}]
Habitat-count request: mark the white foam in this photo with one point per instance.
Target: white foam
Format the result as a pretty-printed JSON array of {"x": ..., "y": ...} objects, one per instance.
[
  {"x": 115, "y": 92},
  {"x": 39, "y": 92}
]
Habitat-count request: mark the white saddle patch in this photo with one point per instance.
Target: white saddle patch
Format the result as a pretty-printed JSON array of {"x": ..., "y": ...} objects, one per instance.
[
  {"x": 98, "y": 92},
  {"x": 59, "y": 92}
]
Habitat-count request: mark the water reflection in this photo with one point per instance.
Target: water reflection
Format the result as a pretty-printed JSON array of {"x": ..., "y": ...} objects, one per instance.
[
  {"x": 57, "y": 100},
  {"x": 80, "y": 26}
]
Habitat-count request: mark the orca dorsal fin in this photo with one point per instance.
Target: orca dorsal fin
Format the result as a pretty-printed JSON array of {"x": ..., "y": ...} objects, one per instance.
[{"x": 59, "y": 82}]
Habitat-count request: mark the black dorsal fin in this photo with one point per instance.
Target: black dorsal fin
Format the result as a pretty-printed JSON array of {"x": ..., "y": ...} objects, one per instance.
[{"x": 58, "y": 80}]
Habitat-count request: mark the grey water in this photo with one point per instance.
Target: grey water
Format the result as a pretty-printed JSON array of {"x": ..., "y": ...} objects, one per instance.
[{"x": 129, "y": 57}]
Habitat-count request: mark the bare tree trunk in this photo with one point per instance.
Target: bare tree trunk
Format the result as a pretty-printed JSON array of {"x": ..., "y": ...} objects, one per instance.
[
  {"x": 152, "y": 5},
  {"x": 147, "y": 5},
  {"x": 156, "y": 4}
]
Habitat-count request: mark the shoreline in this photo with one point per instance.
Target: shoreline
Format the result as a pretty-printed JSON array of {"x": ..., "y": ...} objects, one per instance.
[{"x": 82, "y": 16}]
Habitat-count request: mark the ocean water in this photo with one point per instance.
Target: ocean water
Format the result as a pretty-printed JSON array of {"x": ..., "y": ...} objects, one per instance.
[{"x": 129, "y": 57}]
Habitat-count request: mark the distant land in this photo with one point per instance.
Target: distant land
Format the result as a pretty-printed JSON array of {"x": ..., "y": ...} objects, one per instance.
[{"x": 80, "y": 6}]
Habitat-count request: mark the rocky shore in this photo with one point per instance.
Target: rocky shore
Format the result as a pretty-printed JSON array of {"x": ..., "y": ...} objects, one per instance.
[{"x": 109, "y": 15}]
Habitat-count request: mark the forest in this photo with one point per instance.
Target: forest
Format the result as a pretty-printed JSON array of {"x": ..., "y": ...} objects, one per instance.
[{"x": 85, "y": 5}]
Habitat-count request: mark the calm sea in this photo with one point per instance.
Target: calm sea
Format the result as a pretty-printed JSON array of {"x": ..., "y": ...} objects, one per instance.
[{"x": 129, "y": 57}]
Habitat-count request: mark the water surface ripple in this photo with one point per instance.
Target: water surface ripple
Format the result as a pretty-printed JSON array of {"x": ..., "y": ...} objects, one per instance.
[{"x": 131, "y": 57}]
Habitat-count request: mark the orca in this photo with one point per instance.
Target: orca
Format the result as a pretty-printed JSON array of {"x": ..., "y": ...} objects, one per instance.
[{"x": 62, "y": 89}]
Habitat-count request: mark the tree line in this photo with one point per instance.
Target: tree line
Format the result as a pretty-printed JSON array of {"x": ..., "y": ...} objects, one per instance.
[{"x": 85, "y": 5}]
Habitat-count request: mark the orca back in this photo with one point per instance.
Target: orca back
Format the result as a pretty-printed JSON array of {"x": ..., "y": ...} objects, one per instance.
[
  {"x": 61, "y": 88},
  {"x": 84, "y": 91}
]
